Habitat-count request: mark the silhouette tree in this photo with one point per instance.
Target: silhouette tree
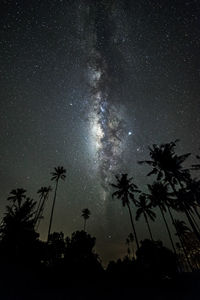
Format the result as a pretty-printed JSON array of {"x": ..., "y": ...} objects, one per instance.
[
  {"x": 167, "y": 164},
  {"x": 44, "y": 193},
  {"x": 17, "y": 195},
  {"x": 144, "y": 209},
  {"x": 125, "y": 269},
  {"x": 59, "y": 173},
  {"x": 18, "y": 237},
  {"x": 85, "y": 214},
  {"x": 125, "y": 192},
  {"x": 80, "y": 258},
  {"x": 184, "y": 203},
  {"x": 159, "y": 196},
  {"x": 56, "y": 249},
  {"x": 155, "y": 260}
]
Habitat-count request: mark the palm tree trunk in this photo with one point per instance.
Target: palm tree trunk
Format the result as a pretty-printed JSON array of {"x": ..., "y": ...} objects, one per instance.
[
  {"x": 185, "y": 252},
  {"x": 185, "y": 211},
  {"x": 169, "y": 233},
  {"x": 196, "y": 211},
  {"x": 172, "y": 219},
  {"x": 41, "y": 210},
  {"x": 193, "y": 219},
  {"x": 52, "y": 211},
  {"x": 150, "y": 233},
  {"x": 192, "y": 224},
  {"x": 132, "y": 223},
  {"x": 170, "y": 213}
]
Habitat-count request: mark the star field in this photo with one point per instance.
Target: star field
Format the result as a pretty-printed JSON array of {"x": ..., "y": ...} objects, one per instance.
[{"x": 133, "y": 67}]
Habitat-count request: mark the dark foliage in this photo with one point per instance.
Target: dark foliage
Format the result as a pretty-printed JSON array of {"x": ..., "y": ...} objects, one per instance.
[
  {"x": 155, "y": 260},
  {"x": 19, "y": 241},
  {"x": 80, "y": 257}
]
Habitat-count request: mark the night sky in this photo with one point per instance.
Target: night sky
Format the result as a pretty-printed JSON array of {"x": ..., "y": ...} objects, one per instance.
[{"x": 88, "y": 85}]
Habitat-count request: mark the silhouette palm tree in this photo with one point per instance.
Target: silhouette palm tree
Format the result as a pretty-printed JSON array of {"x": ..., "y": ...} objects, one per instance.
[
  {"x": 17, "y": 230},
  {"x": 17, "y": 195},
  {"x": 144, "y": 209},
  {"x": 59, "y": 173},
  {"x": 85, "y": 214},
  {"x": 166, "y": 164},
  {"x": 159, "y": 196},
  {"x": 44, "y": 193},
  {"x": 125, "y": 192},
  {"x": 184, "y": 203}
]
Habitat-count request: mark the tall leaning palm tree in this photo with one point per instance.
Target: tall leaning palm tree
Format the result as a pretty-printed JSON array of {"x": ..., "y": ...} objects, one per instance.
[
  {"x": 44, "y": 194},
  {"x": 144, "y": 208},
  {"x": 125, "y": 192},
  {"x": 85, "y": 214},
  {"x": 59, "y": 173},
  {"x": 185, "y": 203},
  {"x": 159, "y": 196}
]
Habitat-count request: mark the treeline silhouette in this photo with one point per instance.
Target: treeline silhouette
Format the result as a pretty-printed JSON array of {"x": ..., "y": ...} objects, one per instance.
[{"x": 61, "y": 261}]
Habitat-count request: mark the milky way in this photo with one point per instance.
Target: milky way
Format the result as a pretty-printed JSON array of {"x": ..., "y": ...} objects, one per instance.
[{"x": 108, "y": 130}]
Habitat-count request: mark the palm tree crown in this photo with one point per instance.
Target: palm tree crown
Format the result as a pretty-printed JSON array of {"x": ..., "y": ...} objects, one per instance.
[
  {"x": 42, "y": 191},
  {"x": 17, "y": 195},
  {"x": 59, "y": 173},
  {"x": 85, "y": 214},
  {"x": 166, "y": 163},
  {"x": 144, "y": 208},
  {"x": 159, "y": 194},
  {"x": 125, "y": 191}
]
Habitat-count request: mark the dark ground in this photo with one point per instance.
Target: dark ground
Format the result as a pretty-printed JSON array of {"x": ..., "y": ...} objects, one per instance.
[{"x": 185, "y": 286}]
